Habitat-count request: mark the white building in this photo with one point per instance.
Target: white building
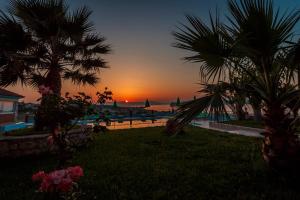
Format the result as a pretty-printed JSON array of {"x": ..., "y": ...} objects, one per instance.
[{"x": 8, "y": 105}]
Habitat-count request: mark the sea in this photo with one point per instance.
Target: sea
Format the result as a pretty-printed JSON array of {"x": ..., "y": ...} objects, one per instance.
[
  {"x": 158, "y": 106},
  {"x": 153, "y": 106}
]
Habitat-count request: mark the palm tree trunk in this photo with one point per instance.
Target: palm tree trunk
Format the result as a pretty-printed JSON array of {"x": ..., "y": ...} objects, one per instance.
[
  {"x": 281, "y": 145},
  {"x": 240, "y": 112},
  {"x": 53, "y": 80},
  {"x": 257, "y": 113}
]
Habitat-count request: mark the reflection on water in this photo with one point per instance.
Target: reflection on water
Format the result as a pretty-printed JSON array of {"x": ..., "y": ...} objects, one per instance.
[
  {"x": 155, "y": 107},
  {"x": 164, "y": 107},
  {"x": 137, "y": 124}
]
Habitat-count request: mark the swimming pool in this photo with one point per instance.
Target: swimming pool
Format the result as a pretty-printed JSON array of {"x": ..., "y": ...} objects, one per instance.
[
  {"x": 13, "y": 126},
  {"x": 123, "y": 122}
]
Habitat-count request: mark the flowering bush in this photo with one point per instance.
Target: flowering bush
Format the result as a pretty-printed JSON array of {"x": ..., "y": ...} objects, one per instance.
[
  {"x": 59, "y": 115},
  {"x": 44, "y": 90},
  {"x": 61, "y": 182}
]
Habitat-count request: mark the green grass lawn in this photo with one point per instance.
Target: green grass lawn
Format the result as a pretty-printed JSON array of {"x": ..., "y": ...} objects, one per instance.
[
  {"x": 145, "y": 164},
  {"x": 248, "y": 123}
]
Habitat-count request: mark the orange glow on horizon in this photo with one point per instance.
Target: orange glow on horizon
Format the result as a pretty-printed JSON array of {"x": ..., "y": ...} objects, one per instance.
[
  {"x": 121, "y": 92},
  {"x": 133, "y": 81}
]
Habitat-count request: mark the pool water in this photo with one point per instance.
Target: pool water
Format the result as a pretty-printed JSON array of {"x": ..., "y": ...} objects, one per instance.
[
  {"x": 11, "y": 127},
  {"x": 125, "y": 123}
]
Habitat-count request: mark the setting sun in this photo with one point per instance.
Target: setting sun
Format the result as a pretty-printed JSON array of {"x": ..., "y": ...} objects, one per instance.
[{"x": 126, "y": 101}]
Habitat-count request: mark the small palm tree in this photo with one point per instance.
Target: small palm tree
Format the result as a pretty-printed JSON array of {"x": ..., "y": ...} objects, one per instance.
[
  {"x": 213, "y": 102},
  {"x": 54, "y": 44},
  {"x": 147, "y": 103},
  {"x": 178, "y": 101},
  {"x": 255, "y": 42},
  {"x": 115, "y": 105}
]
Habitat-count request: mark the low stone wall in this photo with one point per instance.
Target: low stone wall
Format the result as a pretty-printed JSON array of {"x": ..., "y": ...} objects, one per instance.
[
  {"x": 230, "y": 127},
  {"x": 34, "y": 145}
]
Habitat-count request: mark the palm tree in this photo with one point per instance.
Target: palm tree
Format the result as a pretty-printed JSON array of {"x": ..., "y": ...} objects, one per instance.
[
  {"x": 178, "y": 101},
  {"x": 213, "y": 102},
  {"x": 61, "y": 45},
  {"x": 254, "y": 42},
  {"x": 57, "y": 44},
  {"x": 115, "y": 105},
  {"x": 147, "y": 103}
]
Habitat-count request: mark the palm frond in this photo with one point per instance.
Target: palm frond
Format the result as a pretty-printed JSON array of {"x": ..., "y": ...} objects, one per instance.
[
  {"x": 78, "y": 77},
  {"x": 91, "y": 64},
  {"x": 45, "y": 18},
  {"x": 210, "y": 45},
  {"x": 14, "y": 72},
  {"x": 14, "y": 41},
  {"x": 78, "y": 24},
  {"x": 91, "y": 40},
  {"x": 213, "y": 103},
  {"x": 259, "y": 29},
  {"x": 13, "y": 37},
  {"x": 36, "y": 80}
]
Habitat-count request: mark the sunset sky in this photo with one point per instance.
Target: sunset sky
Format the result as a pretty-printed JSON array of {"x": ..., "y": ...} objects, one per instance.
[{"x": 143, "y": 63}]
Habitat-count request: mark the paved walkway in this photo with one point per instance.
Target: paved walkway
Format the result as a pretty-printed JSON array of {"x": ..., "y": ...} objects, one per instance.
[{"x": 228, "y": 128}]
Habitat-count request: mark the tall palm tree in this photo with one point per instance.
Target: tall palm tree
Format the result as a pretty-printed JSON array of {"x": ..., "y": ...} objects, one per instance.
[
  {"x": 258, "y": 37},
  {"x": 61, "y": 45}
]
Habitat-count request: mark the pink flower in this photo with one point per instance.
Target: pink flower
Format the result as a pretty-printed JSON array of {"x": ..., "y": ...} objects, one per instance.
[
  {"x": 50, "y": 140},
  {"x": 57, "y": 176},
  {"x": 38, "y": 176},
  {"x": 65, "y": 185},
  {"x": 46, "y": 185},
  {"x": 75, "y": 172},
  {"x": 59, "y": 180}
]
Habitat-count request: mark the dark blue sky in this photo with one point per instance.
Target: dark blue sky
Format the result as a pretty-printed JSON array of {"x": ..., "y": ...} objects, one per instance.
[{"x": 143, "y": 63}]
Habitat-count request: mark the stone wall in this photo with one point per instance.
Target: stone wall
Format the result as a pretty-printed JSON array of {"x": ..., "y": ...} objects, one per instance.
[{"x": 18, "y": 146}]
